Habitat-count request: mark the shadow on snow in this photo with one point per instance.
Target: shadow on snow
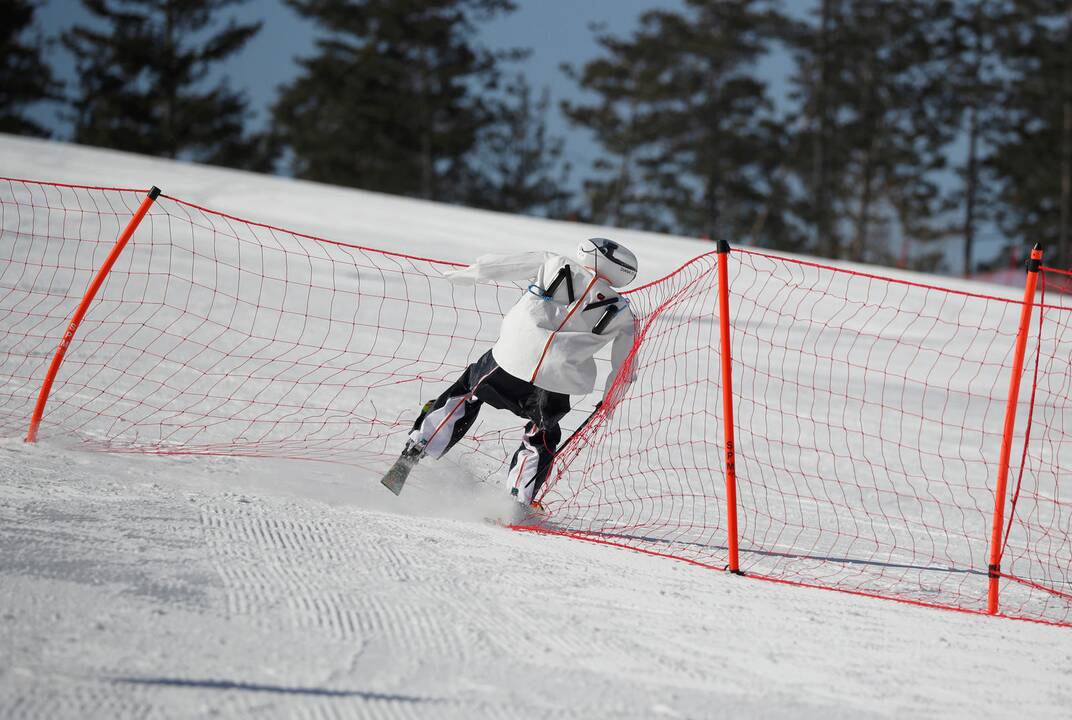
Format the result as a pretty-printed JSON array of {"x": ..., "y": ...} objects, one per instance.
[{"x": 277, "y": 689}]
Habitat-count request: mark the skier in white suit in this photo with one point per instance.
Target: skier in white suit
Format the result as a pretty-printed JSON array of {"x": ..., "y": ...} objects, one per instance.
[{"x": 544, "y": 354}]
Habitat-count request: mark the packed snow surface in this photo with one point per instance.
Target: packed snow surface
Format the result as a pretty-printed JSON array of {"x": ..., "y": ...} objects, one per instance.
[{"x": 164, "y": 586}]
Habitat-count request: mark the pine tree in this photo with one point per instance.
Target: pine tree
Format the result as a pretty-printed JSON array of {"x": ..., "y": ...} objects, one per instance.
[
  {"x": 688, "y": 127},
  {"x": 396, "y": 97},
  {"x": 520, "y": 163},
  {"x": 1033, "y": 160},
  {"x": 975, "y": 73},
  {"x": 617, "y": 194},
  {"x": 25, "y": 79},
  {"x": 827, "y": 240},
  {"x": 871, "y": 84},
  {"x": 144, "y": 82},
  {"x": 819, "y": 160}
]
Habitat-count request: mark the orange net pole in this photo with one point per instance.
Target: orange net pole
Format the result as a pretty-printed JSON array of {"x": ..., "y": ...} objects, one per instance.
[
  {"x": 994, "y": 570},
  {"x": 83, "y": 308},
  {"x": 727, "y": 404}
]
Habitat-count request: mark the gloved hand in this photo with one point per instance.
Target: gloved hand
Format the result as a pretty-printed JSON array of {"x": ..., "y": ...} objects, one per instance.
[{"x": 461, "y": 276}]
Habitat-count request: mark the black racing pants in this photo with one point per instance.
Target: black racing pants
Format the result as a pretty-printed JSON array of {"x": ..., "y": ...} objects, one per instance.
[{"x": 445, "y": 421}]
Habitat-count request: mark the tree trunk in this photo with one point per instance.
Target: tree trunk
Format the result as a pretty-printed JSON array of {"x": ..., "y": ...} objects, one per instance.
[
  {"x": 616, "y": 204},
  {"x": 714, "y": 171},
  {"x": 872, "y": 113},
  {"x": 714, "y": 211},
  {"x": 427, "y": 163},
  {"x": 1063, "y": 251},
  {"x": 427, "y": 184},
  {"x": 826, "y": 243},
  {"x": 859, "y": 242},
  {"x": 1066, "y": 185},
  {"x": 971, "y": 189},
  {"x": 170, "y": 143}
]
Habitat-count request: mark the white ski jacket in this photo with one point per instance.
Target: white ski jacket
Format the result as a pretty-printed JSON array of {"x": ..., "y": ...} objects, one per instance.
[{"x": 551, "y": 335}]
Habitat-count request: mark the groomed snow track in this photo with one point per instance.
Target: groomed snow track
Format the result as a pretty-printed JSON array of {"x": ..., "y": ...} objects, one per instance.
[{"x": 197, "y": 586}]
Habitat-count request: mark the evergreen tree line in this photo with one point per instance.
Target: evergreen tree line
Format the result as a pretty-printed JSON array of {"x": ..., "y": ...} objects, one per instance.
[{"x": 898, "y": 120}]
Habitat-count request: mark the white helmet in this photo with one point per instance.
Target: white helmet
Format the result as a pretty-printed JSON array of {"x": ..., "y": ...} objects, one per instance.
[{"x": 613, "y": 261}]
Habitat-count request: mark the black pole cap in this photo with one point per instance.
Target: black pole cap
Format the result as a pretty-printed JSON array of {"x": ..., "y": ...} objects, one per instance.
[
  {"x": 154, "y": 192},
  {"x": 723, "y": 247},
  {"x": 1035, "y": 261}
]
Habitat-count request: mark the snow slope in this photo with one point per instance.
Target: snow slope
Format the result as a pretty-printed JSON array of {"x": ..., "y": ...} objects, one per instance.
[{"x": 160, "y": 586}]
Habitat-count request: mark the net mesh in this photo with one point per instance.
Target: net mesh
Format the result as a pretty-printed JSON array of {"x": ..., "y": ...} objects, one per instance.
[
  {"x": 868, "y": 416},
  {"x": 869, "y": 410},
  {"x": 213, "y": 335},
  {"x": 1037, "y": 552}
]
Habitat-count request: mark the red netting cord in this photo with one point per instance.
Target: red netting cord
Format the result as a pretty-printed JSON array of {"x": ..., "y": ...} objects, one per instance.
[
  {"x": 868, "y": 410},
  {"x": 1038, "y": 586},
  {"x": 836, "y": 491},
  {"x": 213, "y": 335}
]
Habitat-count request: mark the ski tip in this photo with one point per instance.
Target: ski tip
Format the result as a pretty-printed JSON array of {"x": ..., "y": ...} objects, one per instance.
[
  {"x": 395, "y": 478},
  {"x": 393, "y": 484}
]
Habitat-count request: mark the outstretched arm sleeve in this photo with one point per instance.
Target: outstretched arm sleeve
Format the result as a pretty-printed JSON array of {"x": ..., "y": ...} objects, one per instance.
[
  {"x": 519, "y": 266},
  {"x": 619, "y": 351}
]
